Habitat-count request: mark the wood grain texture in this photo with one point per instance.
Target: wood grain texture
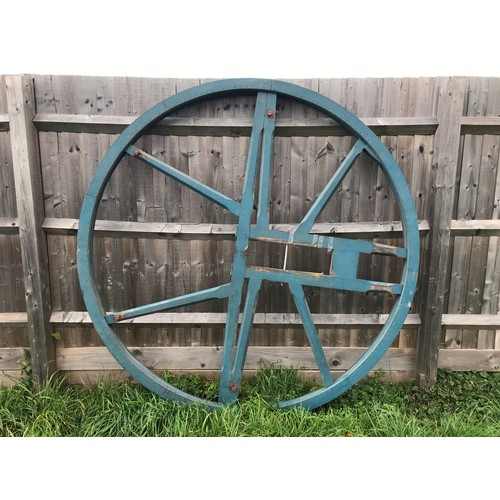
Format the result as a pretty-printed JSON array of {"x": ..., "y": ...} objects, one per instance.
[
  {"x": 491, "y": 290},
  {"x": 440, "y": 215},
  {"x": 4, "y": 122},
  {"x": 465, "y": 208},
  {"x": 10, "y": 378},
  {"x": 83, "y": 361},
  {"x": 262, "y": 320},
  {"x": 231, "y": 126},
  {"x": 10, "y": 357},
  {"x": 208, "y": 358},
  {"x": 27, "y": 175}
]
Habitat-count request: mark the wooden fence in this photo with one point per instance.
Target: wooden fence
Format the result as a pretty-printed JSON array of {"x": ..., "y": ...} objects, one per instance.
[{"x": 158, "y": 240}]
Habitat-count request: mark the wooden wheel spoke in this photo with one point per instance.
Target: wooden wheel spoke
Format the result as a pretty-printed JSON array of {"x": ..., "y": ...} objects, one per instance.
[
  {"x": 344, "y": 261},
  {"x": 231, "y": 378},
  {"x": 198, "y": 187},
  {"x": 263, "y": 101},
  {"x": 311, "y": 332},
  {"x": 320, "y": 280},
  {"x": 324, "y": 197},
  {"x": 218, "y": 292},
  {"x": 266, "y": 159},
  {"x": 330, "y": 243}
]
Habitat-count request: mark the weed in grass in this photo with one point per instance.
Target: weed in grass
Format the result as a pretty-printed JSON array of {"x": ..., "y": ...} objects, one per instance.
[
  {"x": 456, "y": 392},
  {"x": 197, "y": 386},
  {"x": 25, "y": 365},
  {"x": 275, "y": 384}
]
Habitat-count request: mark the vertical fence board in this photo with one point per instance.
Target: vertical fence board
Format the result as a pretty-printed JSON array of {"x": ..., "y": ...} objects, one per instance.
[
  {"x": 27, "y": 174},
  {"x": 462, "y": 245},
  {"x": 490, "y": 339},
  {"x": 434, "y": 287},
  {"x": 11, "y": 282},
  {"x": 466, "y": 201},
  {"x": 479, "y": 246}
]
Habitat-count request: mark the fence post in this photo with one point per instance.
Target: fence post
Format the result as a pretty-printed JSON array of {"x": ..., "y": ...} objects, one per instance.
[
  {"x": 436, "y": 264},
  {"x": 30, "y": 211}
]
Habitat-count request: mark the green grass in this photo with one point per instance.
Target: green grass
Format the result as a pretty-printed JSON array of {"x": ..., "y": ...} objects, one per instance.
[{"x": 460, "y": 404}]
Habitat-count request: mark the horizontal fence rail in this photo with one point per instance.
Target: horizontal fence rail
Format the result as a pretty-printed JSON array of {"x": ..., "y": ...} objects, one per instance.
[{"x": 92, "y": 124}]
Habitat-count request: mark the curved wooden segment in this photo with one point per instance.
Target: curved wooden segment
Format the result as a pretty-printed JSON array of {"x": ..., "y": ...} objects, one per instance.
[{"x": 362, "y": 366}]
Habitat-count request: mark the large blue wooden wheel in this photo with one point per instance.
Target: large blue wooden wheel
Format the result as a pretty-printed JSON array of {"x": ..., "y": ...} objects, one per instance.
[{"x": 346, "y": 252}]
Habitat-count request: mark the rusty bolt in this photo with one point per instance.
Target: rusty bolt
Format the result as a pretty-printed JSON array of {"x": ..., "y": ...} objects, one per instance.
[
  {"x": 233, "y": 387},
  {"x": 136, "y": 152},
  {"x": 271, "y": 113},
  {"x": 119, "y": 317}
]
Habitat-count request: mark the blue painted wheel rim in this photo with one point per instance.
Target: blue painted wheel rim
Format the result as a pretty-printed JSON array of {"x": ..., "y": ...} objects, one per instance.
[{"x": 139, "y": 127}]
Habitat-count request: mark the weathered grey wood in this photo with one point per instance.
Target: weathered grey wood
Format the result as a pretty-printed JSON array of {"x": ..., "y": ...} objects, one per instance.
[
  {"x": 418, "y": 161},
  {"x": 491, "y": 294},
  {"x": 405, "y": 154},
  {"x": 185, "y": 126},
  {"x": 475, "y": 227},
  {"x": 469, "y": 359},
  {"x": 483, "y": 209},
  {"x": 461, "y": 246},
  {"x": 4, "y": 122},
  {"x": 9, "y": 225},
  {"x": 209, "y": 358},
  {"x": 3, "y": 97},
  {"x": 420, "y": 174},
  {"x": 479, "y": 125},
  {"x": 13, "y": 319},
  {"x": 7, "y": 184},
  {"x": 202, "y": 359},
  {"x": 64, "y": 226},
  {"x": 466, "y": 203},
  {"x": 12, "y": 293},
  {"x": 261, "y": 320},
  {"x": 117, "y": 229},
  {"x": 10, "y": 378},
  {"x": 438, "y": 241},
  {"x": 491, "y": 291},
  {"x": 27, "y": 174},
  {"x": 471, "y": 321},
  {"x": 10, "y": 357}
]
